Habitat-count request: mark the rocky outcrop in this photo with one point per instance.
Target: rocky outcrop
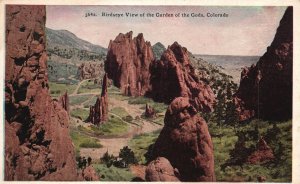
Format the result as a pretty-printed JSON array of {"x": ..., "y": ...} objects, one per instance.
[
  {"x": 37, "y": 141},
  {"x": 262, "y": 154},
  {"x": 173, "y": 76},
  {"x": 64, "y": 102},
  {"x": 149, "y": 112},
  {"x": 89, "y": 174},
  {"x": 160, "y": 169},
  {"x": 266, "y": 88},
  {"x": 99, "y": 112},
  {"x": 89, "y": 70},
  {"x": 127, "y": 63},
  {"x": 185, "y": 141}
]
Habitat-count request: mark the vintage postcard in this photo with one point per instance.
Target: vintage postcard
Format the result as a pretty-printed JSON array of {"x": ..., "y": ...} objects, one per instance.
[{"x": 149, "y": 92}]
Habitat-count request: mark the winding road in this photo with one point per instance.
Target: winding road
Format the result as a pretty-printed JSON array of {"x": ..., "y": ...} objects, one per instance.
[{"x": 113, "y": 144}]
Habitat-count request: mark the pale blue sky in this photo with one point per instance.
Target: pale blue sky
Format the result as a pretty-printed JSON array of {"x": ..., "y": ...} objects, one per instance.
[{"x": 247, "y": 30}]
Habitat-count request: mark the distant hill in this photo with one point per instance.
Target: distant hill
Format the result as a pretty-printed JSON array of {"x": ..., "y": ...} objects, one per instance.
[
  {"x": 66, "y": 52},
  {"x": 231, "y": 65},
  {"x": 64, "y": 38},
  {"x": 158, "y": 50}
]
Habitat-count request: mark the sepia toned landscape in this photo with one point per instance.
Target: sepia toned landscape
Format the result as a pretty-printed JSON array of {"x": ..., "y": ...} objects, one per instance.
[{"x": 134, "y": 110}]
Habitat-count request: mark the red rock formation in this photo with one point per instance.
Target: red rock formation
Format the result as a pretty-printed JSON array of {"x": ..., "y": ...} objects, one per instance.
[
  {"x": 89, "y": 174},
  {"x": 149, "y": 112},
  {"x": 266, "y": 88},
  {"x": 127, "y": 63},
  {"x": 262, "y": 154},
  {"x": 160, "y": 169},
  {"x": 37, "y": 141},
  {"x": 99, "y": 112},
  {"x": 173, "y": 76},
  {"x": 186, "y": 142},
  {"x": 64, "y": 102},
  {"x": 89, "y": 70}
]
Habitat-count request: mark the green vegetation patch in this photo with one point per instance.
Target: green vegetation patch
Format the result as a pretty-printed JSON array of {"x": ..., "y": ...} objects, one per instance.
[
  {"x": 79, "y": 99},
  {"x": 113, "y": 173},
  {"x": 140, "y": 144},
  {"x": 80, "y": 113},
  {"x": 83, "y": 141},
  {"x": 120, "y": 111},
  {"x": 62, "y": 72},
  {"x": 57, "y": 89},
  {"x": 158, "y": 107},
  {"x": 89, "y": 87},
  {"x": 278, "y": 136},
  {"x": 114, "y": 126}
]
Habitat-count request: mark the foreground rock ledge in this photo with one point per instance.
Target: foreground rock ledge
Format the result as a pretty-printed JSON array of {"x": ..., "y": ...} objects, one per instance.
[{"x": 37, "y": 141}]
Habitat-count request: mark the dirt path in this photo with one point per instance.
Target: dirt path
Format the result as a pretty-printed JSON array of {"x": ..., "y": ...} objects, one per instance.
[{"x": 114, "y": 144}]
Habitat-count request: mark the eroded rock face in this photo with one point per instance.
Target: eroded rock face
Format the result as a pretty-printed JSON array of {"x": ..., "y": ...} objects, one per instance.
[
  {"x": 37, "y": 141},
  {"x": 186, "y": 142},
  {"x": 266, "y": 88},
  {"x": 89, "y": 70},
  {"x": 127, "y": 63},
  {"x": 262, "y": 154},
  {"x": 160, "y": 169},
  {"x": 64, "y": 102},
  {"x": 173, "y": 76},
  {"x": 149, "y": 111},
  {"x": 99, "y": 112}
]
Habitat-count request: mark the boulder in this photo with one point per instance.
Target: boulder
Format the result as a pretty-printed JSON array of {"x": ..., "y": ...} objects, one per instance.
[
  {"x": 99, "y": 112},
  {"x": 37, "y": 141},
  {"x": 174, "y": 76},
  {"x": 185, "y": 141},
  {"x": 160, "y": 169},
  {"x": 89, "y": 174},
  {"x": 263, "y": 153},
  {"x": 149, "y": 112},
  {"x": 265, "y": 89},
  {"x": 127, "y": 63}
]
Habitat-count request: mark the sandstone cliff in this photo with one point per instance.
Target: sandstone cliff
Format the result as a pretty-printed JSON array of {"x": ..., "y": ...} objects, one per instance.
[
  {"x": 174, "y": 76},
  {"x": 127, "y": 63},
  {"x": 99, "y": 112},
  {"x": 37, "y": 141},
  {"x": 266, "y": 88},
  {"x": 185, "y": 141}
]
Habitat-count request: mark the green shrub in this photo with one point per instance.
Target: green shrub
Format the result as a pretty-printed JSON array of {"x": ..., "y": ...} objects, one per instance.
[
  {"x": 80, "y": 113},
  {"x": 114, "y": 126},
  {"x": 83, "y": 141},
  {"x": 113, "y": 173},
  {"x": 140, "y": 144},
  {"x": 127, "y": 156}
]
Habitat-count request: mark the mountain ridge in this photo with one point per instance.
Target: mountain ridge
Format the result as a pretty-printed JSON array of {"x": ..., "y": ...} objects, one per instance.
[{"x": 70, "y": 40}]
